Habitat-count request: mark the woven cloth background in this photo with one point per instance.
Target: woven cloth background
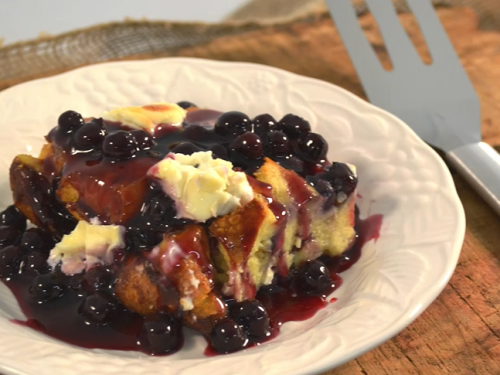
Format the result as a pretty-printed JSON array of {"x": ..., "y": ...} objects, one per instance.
[{"x": 143, "y": 39}]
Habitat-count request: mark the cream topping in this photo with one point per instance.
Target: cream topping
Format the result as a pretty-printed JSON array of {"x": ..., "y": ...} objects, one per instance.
[
  {"x": 147, "y": 117},
  {"x": 202, "y": 187},
  {"x": 86, "y": 246}
]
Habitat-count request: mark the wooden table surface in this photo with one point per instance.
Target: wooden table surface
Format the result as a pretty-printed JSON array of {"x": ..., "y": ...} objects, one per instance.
[{"x": 460, "y": 332}]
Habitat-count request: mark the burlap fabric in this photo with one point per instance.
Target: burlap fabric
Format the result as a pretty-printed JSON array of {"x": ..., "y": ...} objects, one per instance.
[{"x": 143, "y": 39}]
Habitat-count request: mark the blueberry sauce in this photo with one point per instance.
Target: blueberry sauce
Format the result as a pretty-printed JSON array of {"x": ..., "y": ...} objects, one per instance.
[
  {"x": 61, "y": 318},
  {"x": 107, "y": 164},
  {"x": 97, "y": 152}
]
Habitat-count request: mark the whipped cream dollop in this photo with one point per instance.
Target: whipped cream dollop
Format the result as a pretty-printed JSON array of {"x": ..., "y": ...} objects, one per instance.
[
  {"x": 147, "y": 117},
  {"x": 86, "y": 246},
  {"x": 202, "y": 187}
]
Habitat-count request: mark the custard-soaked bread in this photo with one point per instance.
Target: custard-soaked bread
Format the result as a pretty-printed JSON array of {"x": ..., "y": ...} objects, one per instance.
[
  {"x": 175, "y": 276},
  {"x": 33, "y": 195},
  {"x": 107, "y": 195},
  {"x": 28, "y": 175},
  {"x": 244, "y": 250},
  {"x": 86, "y": 190},
  {"x": 140, "y": 288},
  {"x": 147, "y": 291},
  {"x": 315, "y": 225},
  {"x": 275, "y": 176}
]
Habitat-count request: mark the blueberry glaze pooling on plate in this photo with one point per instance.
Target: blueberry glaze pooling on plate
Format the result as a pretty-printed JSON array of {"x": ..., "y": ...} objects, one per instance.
[{"x": 59, "y": 307}]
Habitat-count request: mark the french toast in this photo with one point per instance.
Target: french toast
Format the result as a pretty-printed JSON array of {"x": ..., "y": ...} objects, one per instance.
[
  {"x": 244, "y": 251},
  {"x": 195, "y": 214},
  {"x": 314, "y": 228}
]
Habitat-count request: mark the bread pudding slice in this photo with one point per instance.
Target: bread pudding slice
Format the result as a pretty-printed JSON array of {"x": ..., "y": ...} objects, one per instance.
[
  {"x": 33, "y": 194},
  {"x": 139, "y": 287},
  {"x": 181, "y": 215},
  {"x": 77, "y": 189},
  {"x": 244, "y": 251},
  {"x": 105, "y": 193},
  {"x": 174, "y": 277},
  {"x": 316, "y": 224}
]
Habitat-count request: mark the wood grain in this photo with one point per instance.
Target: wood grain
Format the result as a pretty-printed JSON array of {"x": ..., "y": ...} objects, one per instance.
[{"x": 460, "y": 332}]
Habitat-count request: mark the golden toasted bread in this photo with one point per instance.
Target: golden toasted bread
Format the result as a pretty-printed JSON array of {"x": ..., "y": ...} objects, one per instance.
[
  {"x": 310, "y": 231},
  {"x": 181, "y": 286},
  {"x": 138, "y": 288},
  {"x": 112, "y": 203},
  {"x": 245, "y": 248},
  {"x": 31, "y": 192}
]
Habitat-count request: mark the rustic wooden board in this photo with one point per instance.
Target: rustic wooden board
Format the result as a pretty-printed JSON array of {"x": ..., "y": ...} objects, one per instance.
[
  {"x": 314, "y": 48},
  {"x": 460, "y": 332}
]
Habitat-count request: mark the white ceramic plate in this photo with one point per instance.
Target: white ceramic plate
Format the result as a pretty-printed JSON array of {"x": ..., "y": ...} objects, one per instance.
[{"x": 399, "y": 177}]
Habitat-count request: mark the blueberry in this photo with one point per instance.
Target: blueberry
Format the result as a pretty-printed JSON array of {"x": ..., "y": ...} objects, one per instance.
[
  {"x": 142, "y": 238},
  {"x": 36, "y": 262},
  {"x": 35, "y": 239},
  {"x": 120, "y": 144},
  {"x": 233, "y": 123},
  {"x": 98, "y": 308},
  {"x": 264, "y": 124},
  {"x": 160, "y": 208},
  {"x": 186, "y": 148},
  {"x": 10, "y": 261},
  {"x": 248, "y": 145},
  {"x": 227, "y": 336},
  {"x": 337, "y": 183},
  {"x": 160, "y": 334},
  {"x": 8, "y": 235},
  {"x": 158, "y": 214},
  {"x": 12, "y": 217},
  {"x": 219, "y": 151},
  {"x": 294, "y": 126},
  {"x": 252, "y": 316},
  {"x": 186, "y": 105},
  {"x": 90, "y": 135},
  {"x": 322, "y": 186},
  {"x": 97, "y": 278},
  {"x": 69, "y": 121},
  {"x": 313, "y": 278},
  {"x": 312, "y": 147},
  {"x": 75, "y": 282},
  {"x": 342, "y": 178},
  {"x": 277, "y": 144},
  {"x": 47, "y": 287},
  {"x": 143, "y": 139},
  {"x": 195, "y": 132},
  {"x": 293, "y": 163}
]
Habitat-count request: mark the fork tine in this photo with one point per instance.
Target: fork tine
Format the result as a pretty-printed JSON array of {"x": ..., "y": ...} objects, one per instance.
[
  {"x": 434, "y": 34},
  {"x": 398, "y": 44},
  {"x": 362, "y": 55}
]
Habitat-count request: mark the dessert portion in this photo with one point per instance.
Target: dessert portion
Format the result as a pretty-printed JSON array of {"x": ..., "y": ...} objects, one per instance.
[{"x": 149, "y": 218}]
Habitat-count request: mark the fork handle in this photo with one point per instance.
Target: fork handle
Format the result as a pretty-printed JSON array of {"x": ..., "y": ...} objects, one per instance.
[{"x": 479, "y": 164}]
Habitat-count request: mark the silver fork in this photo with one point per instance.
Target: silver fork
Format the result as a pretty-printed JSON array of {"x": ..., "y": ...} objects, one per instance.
[{"x": 437, "y": 100}]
